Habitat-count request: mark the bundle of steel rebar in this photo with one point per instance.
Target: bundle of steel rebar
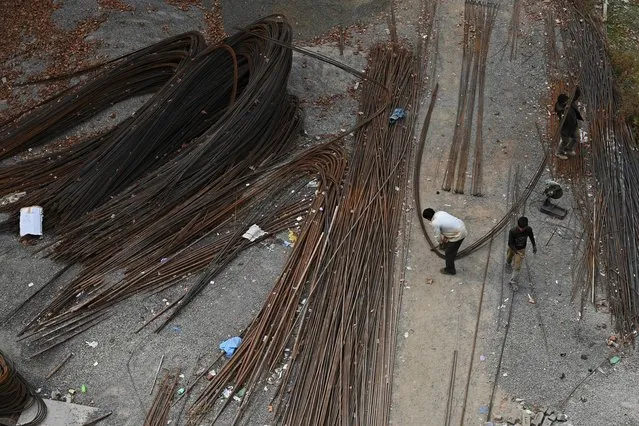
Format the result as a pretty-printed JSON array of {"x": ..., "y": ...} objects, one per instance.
[
  {"x": 135, "y": 74},
  {"x": 513, "y": 28},
  {"x": 336, "y": 304},
  {"x": 189, "y": 211},
  {"x": 16, "y": 395},
  {"x": 479, "y": 18},
  {"x": 159, "y": 412},
  {"x": 607, "y": 190},
  {"x": 192, "y": 101}
]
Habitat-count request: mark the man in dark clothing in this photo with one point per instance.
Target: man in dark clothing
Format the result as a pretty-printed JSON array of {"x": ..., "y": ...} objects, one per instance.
[
  {"x": 570, "y": 129},
  {"x": 517, "y": 239}
]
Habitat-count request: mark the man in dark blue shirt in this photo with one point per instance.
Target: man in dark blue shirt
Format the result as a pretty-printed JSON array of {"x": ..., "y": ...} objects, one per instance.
[{"x": 517, "y": 239}]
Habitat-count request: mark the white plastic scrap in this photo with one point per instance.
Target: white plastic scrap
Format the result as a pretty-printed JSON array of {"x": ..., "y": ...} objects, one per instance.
[
  {"x": 93, "y": 344},
  {"x": 31, "y": 221},
  {"x": 253, "y": 233},
  {"x": 227, "y": 392},
  {"x": 12, "y": 198}
]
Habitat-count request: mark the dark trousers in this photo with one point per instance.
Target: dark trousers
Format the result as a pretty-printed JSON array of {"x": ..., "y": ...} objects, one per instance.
[
  {"x": 567, "y": 143},
  {"x": 450, "y": 251}
]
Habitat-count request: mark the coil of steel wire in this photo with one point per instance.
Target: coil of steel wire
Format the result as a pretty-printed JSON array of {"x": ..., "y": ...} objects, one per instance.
[{"x": 16, "y": 396}]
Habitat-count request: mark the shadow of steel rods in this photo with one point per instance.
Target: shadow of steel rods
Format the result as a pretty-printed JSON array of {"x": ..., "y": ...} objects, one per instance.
[
  {"x": 479, "y": 18},
  {"x": 608, "y": 190},
  {"x": 334, "y": 309}
]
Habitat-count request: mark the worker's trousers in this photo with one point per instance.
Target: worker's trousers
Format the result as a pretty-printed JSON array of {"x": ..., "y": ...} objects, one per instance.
[
  {"x": 567, "y": 143},
  {"x": 450, "y": 252},
  {"x": 518, "y": 257}
]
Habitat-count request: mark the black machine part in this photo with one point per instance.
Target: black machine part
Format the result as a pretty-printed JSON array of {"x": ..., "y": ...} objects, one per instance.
[{"x": 553, "y": 190}]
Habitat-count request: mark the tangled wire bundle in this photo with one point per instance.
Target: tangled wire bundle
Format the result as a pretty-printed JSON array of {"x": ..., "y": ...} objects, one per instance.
[{"x": 16, "y": 395}]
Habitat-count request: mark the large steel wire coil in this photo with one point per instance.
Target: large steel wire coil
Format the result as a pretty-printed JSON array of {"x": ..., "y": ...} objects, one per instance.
[{"x": 16, "y": 396}]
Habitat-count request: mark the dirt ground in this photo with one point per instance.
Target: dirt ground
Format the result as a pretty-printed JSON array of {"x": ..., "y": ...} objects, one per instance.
[{"x": 553, "y": 357}]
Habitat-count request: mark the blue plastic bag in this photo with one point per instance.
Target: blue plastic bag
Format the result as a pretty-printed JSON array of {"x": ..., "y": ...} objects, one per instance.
[
  {"x": 229, "y": 346},
  {"x": 397, "y": 114}
]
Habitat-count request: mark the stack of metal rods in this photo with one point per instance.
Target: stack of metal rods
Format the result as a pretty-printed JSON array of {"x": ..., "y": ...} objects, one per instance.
[
  {"x": 513, "y": 28},
  {"x": 479, "y": 18},
  {"x": 193, "y": 101},
  {"x": 277, "y": 319},
  {"x": 462, "y": 102},
  {"x": 335, "y": 305},
  {"x": 159, "y": 412},
  {"x": 140, "y": 72},
  {"x": 607, "y": 191},
  {"x": 16, "y": 395},
  {"x": 486, "y": 27},
  {"x": 344, "y": 372},
  {"x": 239, "y": 172},
  {"x": 35, "y": 173}
]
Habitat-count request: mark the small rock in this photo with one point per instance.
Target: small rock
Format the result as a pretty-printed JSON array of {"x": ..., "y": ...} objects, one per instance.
[
  {"x": 562, "y": 417},
  {"x": 539, "y": 417},
  {"x": 584, "y": 356}
]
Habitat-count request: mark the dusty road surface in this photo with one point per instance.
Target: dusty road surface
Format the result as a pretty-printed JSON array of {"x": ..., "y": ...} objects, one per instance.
[{"x": 468, "y": 350}]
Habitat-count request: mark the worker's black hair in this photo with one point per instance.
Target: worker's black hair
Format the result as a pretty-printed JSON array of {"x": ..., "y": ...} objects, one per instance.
[
  {"x": 562, "y": 99},
  {"x": 428, "y": 213},
  {"x": 522, "y": 222}
]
